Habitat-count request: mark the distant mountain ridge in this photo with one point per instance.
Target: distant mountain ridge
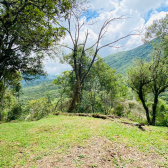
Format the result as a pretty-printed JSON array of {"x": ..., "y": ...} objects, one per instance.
[
  {"x": 121, "y": 61},
  {"x": 42, "y": 79}
]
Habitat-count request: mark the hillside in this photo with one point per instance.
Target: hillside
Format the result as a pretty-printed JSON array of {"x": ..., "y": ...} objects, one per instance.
[
  {"x": 74, "y": 141},
  {"x": 42, "y": 79},
  {"x": 38, "y": 89},
  {"x": 121, "y": 61}
]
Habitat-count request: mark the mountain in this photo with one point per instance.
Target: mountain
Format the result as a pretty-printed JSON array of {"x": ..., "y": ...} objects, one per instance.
[
  {"x": 121, "y": 61},
  {"x": 42, "y": 79}
]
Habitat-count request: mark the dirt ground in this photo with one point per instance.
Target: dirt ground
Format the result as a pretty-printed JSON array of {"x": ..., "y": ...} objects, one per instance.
[{"x": 102, "y": 153}]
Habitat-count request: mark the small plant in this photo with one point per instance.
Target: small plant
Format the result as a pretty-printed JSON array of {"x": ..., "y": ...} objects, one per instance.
[{"x": 81, "y": 156}]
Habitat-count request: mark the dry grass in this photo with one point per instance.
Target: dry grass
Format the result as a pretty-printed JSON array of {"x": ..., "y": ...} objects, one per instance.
[{"x": 101, "y": 152}]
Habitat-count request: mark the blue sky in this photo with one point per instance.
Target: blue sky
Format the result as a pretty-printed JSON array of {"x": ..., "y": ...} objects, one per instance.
[
  {"x": 141, "y": 12},
  {"x": 152, "y": 11}
]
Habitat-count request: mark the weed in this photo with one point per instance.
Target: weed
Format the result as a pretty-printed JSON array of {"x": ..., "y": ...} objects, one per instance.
[
  {"x": 81, "y": 156},
  {"x": 60, "y": 159},
  {"x": 115, "y": 161},
  {"x": 38, "y": 158},
  {"x": 78, "y": 162}
]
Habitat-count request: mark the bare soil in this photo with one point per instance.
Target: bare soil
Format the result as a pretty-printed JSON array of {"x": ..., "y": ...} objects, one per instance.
[{"x": 101, "y": 152}]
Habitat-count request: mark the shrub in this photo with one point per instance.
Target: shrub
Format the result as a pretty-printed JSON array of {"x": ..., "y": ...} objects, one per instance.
[
  {"x": 15, "y": 112},
  {"x": 119, "y": 110},
  {"x": 38, "y": 109}
]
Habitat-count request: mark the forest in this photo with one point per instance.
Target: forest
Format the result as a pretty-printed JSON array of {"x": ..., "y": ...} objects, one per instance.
[{"x": 96, "y": 97}]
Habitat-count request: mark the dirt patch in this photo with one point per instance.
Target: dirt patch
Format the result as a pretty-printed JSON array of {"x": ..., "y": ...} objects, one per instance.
[{"x": 102, "y": 153}]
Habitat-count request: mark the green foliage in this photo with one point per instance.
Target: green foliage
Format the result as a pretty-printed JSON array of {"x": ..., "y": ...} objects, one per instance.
[
  {"x": 121, "y": 61},
  {"x": 162, "y": 113},
  {"x": 158, "y": 30},
  {"x": 40, "y": 90},
  {"x": 29, "y": 27},
  {"x": 100, "y": 88},
  {"x": 149, "y": 79},
  {"x": 37, "y": 109},
  {"x": 15, "y": 112},
  {"x": 11, "y": 108},
  {"x": 119, "y": 110},
  {"x": 10, "y": 83}
]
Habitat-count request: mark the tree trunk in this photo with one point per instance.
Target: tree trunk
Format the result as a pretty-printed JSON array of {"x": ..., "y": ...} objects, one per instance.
[
  {"x": 75, "y": 98},
  {"x": 57, "y": 104},
  {"x": 154, "y": 106},
  {"x": 145, "y": 107}
]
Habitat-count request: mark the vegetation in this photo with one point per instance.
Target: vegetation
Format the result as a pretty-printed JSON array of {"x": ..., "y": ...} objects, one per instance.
[
  {"x": 38, "y": 91},
  {"x": 121, "y": 61},
  {"x": 26, "y": 30},
  {"x": 146, "y": 78},
  {"x": 51, "y": 139},
  {"x": 98, "y": 92},
  {"x": 82, "y": 57},
  {"x": 63, "y": 109}
]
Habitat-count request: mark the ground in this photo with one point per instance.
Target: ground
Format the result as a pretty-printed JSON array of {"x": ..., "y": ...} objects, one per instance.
[
  {"x": 85, "y": 142},
  {"x": 101, "y": 152}
]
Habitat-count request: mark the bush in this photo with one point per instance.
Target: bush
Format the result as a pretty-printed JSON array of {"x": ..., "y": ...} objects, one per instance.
[
  {"x": 162, "y": 119},
  {"x": 162, "y": 113},
  {"x": 119, "y": 110},
  {"x": 38, "y": 109},
  {"x": 15, "y": 112}
]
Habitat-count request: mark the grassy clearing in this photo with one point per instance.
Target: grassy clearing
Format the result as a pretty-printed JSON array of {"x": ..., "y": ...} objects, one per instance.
[{"x": 26, "y": 142}]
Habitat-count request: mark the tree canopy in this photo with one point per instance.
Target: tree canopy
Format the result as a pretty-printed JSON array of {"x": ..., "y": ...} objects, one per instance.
[
  {"x": 149, "y": 78},
  {"x": 27, "y": 27}
]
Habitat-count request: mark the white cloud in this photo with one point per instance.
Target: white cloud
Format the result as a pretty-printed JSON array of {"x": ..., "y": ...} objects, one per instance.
[
  {"x": 156, "y": 16},
  {"x": 137, "y": 10},
  {"x": 142, "y": 6},
  {"x": 54, "y": 67}
]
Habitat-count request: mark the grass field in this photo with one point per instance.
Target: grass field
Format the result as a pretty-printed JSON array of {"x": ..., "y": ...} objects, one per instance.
[{"x": 73, "y": 141}]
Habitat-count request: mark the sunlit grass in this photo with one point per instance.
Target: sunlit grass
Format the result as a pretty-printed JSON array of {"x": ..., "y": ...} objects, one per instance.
[{"x": 25, "y": 142}]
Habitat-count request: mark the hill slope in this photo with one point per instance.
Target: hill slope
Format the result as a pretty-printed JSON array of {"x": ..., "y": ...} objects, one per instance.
[
  {"x": 121, "y": 61},
  {"x": 39, "y": 89},
  {"x": 42, "y": 79}
]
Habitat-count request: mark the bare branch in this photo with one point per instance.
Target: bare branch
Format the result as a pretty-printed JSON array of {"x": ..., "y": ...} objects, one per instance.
[
  {"x": 65, "y": 46},
  {"x": 109, "y": 44}
]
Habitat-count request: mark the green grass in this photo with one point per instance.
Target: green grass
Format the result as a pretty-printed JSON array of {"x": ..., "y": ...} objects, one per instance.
[{"x": 25, "y": 142}]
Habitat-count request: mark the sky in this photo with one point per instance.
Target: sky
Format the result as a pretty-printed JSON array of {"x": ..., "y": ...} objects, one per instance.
[{"x": 140, "y": 13}]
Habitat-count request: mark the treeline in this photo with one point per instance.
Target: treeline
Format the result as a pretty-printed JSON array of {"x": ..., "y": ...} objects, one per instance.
[{"x": 91, "y": 86}]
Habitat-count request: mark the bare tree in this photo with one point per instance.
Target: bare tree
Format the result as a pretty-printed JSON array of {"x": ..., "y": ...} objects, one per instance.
[{"x": 78, "y": 57}]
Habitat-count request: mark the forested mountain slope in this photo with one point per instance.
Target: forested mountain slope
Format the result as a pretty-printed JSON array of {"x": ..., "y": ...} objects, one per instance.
[
  {"x": 121, "y": 61},
  {"x": 42, "y": 79}
]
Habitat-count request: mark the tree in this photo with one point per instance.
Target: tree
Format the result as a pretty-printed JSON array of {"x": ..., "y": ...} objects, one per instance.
[
  {"x": 158, "y": 30},
  {"x": 27, "y": 28},
  {"x": 138, "y": 78},
  {"x": 10, "y": 80},
  {"x": 62, "y": 80},
  {"x": 99, "y": 89},
  {"x": 78, "y": 58},
  {"x": 149, "y": 78}
]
